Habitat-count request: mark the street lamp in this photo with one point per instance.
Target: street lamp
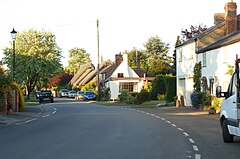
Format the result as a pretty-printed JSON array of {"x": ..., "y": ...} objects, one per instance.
[{"x": 13, "y": 34}]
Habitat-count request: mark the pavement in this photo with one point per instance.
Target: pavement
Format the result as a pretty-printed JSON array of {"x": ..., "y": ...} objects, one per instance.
[{"x": 19, "y": 117}]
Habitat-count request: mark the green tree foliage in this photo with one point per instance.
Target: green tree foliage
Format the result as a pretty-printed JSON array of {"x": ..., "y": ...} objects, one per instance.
[
  {"x": 197, "y": 74},
  {"x": 143, "y": 96},
  {"x": 158, "y": 86},
  {"x": 78, "y": 57},
  {"x": 37, "y": 57},
  {"x": 230, "y": 70},
  {"x": 4, "y": 80},
  {"x": 170, "y": 82},
  {"x": 157, "y": 53},
  {"x": 135, "y": 56},
  {"x": 89, "y": 86}
]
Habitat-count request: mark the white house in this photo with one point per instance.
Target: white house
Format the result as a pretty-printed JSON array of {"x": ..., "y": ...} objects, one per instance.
[
  {"x": 124, "y": 78},
  {"x": 216, "y": 48}
]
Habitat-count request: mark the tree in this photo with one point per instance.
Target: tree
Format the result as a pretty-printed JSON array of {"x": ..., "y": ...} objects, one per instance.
[
  {"x": 137, "y": 56},
  {"x": 78, "y": 57},
  {"x": 197, "y": 74},
  {"x": 37, "y": 57},
  {"x": 157, "y": 52},
  {"x": 178, "y": 42},
  {"x": 194, "y": 30}
]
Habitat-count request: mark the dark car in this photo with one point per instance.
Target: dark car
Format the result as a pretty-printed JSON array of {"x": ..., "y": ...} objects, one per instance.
[
  {"x": 89, "y": 95},
  {"x": 63, "y": 93},
  {"x": 45, "y": 95},
  {"x": 38, "y": 94}
]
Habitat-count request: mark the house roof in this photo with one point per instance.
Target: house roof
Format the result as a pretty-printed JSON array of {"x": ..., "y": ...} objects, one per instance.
[{"x": 226, "y": 40}]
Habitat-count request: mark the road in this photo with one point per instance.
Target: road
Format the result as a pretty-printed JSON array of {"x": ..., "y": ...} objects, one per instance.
[{"x": 78, "y": 130}]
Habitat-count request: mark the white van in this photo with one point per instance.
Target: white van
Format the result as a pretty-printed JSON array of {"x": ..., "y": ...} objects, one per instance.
[{"x": 230, "y": 108}]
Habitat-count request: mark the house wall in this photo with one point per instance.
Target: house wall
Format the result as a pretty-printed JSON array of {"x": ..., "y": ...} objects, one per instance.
[
  {"x": 186, "y": 59},
  {"x": 217, "y": 62},
  {"x": 114, "y": 87}
]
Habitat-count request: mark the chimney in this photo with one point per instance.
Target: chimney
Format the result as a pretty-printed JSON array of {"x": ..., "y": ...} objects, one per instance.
[
  {"x": 231, "y": 17},
  {"x": 118, "y": 59}
]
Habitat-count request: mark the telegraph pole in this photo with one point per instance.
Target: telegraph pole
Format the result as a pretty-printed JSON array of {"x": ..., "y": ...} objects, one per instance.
[{"x": 98, "y": 80}]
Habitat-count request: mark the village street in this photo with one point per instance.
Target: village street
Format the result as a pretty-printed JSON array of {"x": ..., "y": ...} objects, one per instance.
[{"x": 79, "y": 130}]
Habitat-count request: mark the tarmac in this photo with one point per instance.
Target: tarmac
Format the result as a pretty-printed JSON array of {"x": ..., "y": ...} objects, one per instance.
[{"x": 33, "y": 112}]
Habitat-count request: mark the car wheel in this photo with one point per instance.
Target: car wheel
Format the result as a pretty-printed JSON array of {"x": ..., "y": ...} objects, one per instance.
[{"x": 227, "y": 137}]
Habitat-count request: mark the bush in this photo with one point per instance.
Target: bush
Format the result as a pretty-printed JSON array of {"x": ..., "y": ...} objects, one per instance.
[
  {"x": 143, "y": 97},
  {"x": 170, "y": 83},
  {"x": 16, "y": 87},
  {"x": 123, "y": 96},
  {"x": 158, "y": 86},
  {"x": 105, "y": 95},
  {"x": 161, "y": 97},
  {"x": 200, "y": 100}
]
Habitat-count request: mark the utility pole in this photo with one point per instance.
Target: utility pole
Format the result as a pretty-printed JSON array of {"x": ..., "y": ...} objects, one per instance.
[{"x": 98, "y": 80}]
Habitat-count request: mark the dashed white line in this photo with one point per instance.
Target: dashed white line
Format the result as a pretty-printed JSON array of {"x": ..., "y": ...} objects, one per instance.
[
  {"x": 152, "y": 115},
  {"x": 157, "y": 116},
  {"x": 163, "y": 118},
  {"x": 195, "y": 148},
  {"x": 191, "y": 140},
  {"x": 46, "y": 116},
  {"x": 180, "y": 129},
  {"x": 174, "y": 125},
  {"x": 197, "y": 156},
  {"x": 186, "y": 134},
  {"x": 169, "y": 122},
  {"x": 30, "y": 120}
]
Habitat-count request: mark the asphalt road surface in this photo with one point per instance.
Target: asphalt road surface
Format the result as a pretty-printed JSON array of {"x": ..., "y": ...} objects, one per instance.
[{"x": 78, "y": 130}]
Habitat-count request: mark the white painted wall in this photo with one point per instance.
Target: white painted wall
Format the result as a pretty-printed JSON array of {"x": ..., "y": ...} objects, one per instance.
[
  {"x": 216, "y": 67},
  {"x": 185, "y": 65}
]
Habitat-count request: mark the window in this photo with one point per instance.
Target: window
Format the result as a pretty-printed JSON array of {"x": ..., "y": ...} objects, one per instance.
[
  {"x": 232, "y": 86},
  {"x": 211, "y": 83},
  {"x": 128, "y": 86},
  {"x": 120, "y": 75},
  {"x": 204, "y": 84},
  {"x": 180, "y": 55},
  {"x": 204, "y": 56}
]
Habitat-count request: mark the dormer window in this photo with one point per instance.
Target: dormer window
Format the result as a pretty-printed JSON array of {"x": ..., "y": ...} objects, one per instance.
[{"x": 120, "y": 74}]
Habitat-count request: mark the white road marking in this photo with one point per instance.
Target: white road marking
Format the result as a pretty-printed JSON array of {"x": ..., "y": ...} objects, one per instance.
[
  {"x": 157, "y": 116},
  {"x": 30, "y": 120},
  {"x": 195, "y": 148},
  {"x": 197, "y": 156},
  {"x": 46, "y": 116},
  {"x": 180, "y": 129},
  {"x": 152, "y": 115},
  {"x": 186, "y": 134},
  {"x": 174, "y": 125},
  {"x": 168, "y": 122},
  {"x": 191, "y": 140},
  {"x": 163, "y": 118}
]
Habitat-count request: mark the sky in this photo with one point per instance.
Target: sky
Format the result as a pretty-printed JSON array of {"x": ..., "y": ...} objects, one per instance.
[{"x": 123, "y": 24}]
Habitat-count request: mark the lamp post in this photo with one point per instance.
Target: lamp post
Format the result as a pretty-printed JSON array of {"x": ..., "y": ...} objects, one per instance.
[{"x": 13, "y": 34}]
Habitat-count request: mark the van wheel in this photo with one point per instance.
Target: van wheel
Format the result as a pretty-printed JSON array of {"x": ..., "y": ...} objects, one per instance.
[{"x": 227, "y": 137}]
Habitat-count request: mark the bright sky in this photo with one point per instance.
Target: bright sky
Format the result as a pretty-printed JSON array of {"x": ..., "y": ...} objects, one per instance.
[{"x": 123, "y": 24}]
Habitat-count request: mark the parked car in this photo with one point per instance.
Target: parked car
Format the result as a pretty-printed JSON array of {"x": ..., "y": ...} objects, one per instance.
[
  {"x": 80, "y": 95},
  {"x": 63, "y": 93},
  {"x": 38, "y": 94},
  {"x": 89, "y": 95},
  {"x": 72, "y": 94},
  {"x": 45, "y": 95}
]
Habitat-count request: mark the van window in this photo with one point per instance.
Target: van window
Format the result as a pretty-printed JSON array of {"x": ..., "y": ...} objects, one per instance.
[{"x": 232, "y": 88}]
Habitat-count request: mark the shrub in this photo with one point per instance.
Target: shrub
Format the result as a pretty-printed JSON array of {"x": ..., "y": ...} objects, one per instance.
[
  {"x": 200, "y": 100},
  {"x": 105, "y": 95},
  {"x": 158, "y": 86},
  {"x": 123, "y": 96},
  {"x": 16, "y": 87},
  {"x": 143, "y": 97},
  {"x": 161, "y": 97},
  {"x": 170, "y": 83}
]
